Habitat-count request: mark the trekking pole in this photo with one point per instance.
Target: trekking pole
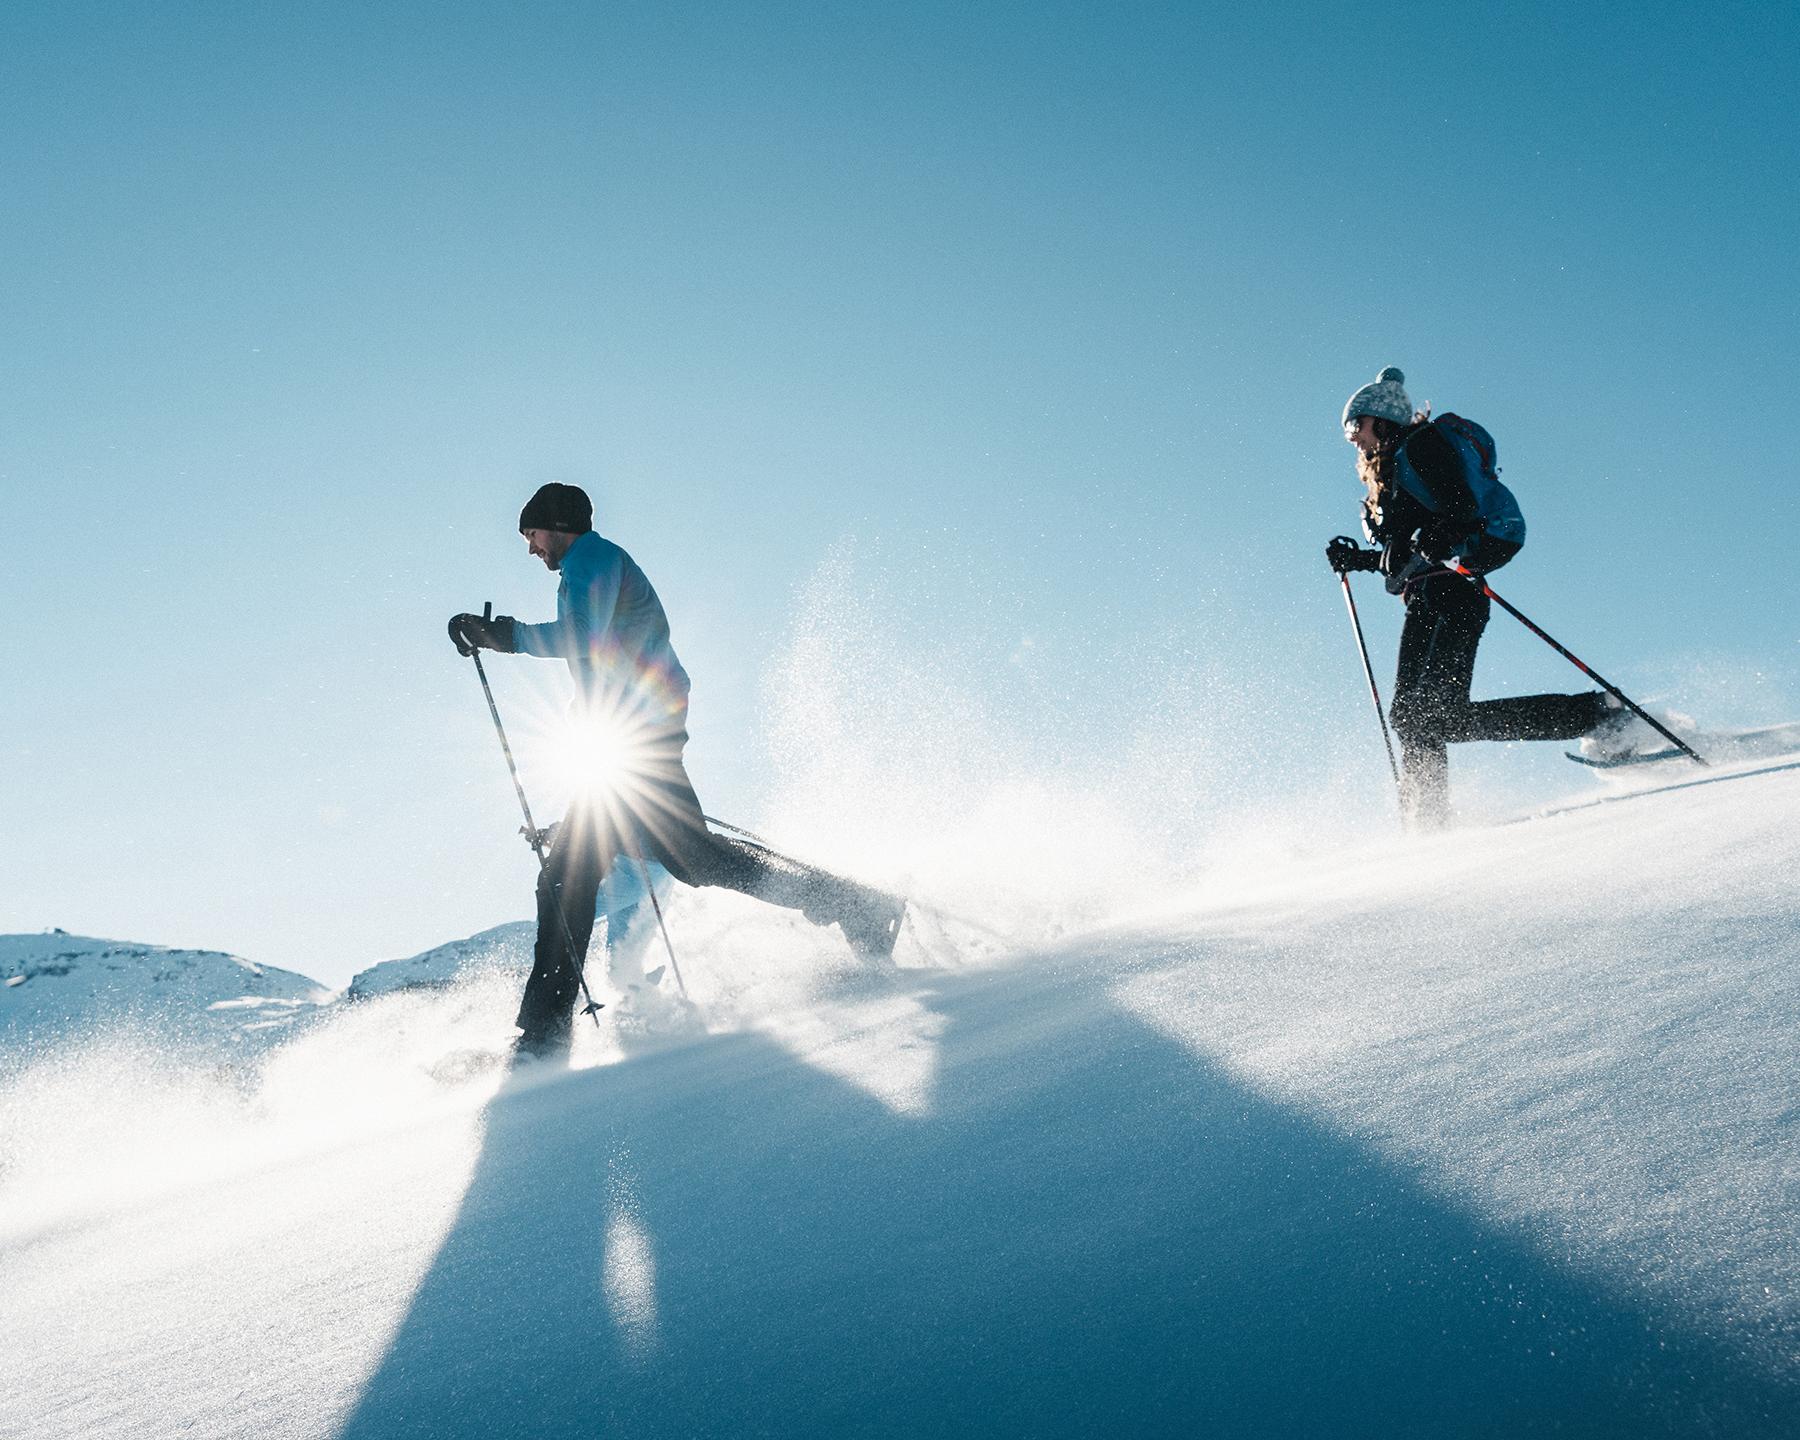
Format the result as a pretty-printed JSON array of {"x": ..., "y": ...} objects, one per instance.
[
  {"x": 1362, "y": 649},
  {"x": 912, "y": 901},
  {"x": 759, "y": 843},
  {"x": 757, "y": 840},
  {"x": 1575, "y": 660},
  {"x": 532, "y": 833},
  {"x": 661, "y": 924}
]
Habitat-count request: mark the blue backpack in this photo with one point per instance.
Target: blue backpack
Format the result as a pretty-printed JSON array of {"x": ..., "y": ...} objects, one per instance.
[{"x": 1495, "y": 506}]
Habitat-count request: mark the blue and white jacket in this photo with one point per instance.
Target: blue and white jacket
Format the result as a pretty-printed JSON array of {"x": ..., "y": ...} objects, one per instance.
[{"x": 611, "y": 630}]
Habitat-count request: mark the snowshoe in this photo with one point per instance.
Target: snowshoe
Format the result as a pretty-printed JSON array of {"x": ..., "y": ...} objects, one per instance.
[
  {"x": 1623, "y": 737},
  {"x": 871, "y": 923}
]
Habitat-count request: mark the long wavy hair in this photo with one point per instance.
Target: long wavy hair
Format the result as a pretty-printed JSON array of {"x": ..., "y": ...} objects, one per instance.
[{"x": 1377, "y": 471}]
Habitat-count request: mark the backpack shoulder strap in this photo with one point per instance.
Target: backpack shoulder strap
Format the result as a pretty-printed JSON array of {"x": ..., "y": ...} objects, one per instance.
[{"x": 1477, "y": 436}]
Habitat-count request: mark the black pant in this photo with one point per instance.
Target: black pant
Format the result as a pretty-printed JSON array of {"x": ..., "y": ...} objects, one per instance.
[
  {"x": 1445, "y": 616},
  {"x": 650, "y": 812}
]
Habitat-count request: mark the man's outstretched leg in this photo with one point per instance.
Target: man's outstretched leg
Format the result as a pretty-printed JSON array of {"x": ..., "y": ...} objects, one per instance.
[
  {"x": 869, "y": 918},
  {"x": 672, "y": 829}
]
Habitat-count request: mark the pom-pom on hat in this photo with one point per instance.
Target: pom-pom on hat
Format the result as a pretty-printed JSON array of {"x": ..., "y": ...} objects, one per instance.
[
  {"x": 558, "y": 507},
  {"x": 1385, "y": 399}
]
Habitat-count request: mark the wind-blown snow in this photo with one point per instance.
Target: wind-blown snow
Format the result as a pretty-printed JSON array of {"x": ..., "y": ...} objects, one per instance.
[{"x": 1483, "y": 1134}]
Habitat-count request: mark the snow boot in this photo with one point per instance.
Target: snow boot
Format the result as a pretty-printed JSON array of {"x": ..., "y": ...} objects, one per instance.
[
  {"x": 870, "y": 921},
  {"x": 547, "y": 1043},
  {"x": 1621, "y": 734}
]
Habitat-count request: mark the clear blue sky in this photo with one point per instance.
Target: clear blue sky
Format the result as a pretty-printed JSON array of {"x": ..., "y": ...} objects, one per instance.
[{"x": 1029, "y": 324}]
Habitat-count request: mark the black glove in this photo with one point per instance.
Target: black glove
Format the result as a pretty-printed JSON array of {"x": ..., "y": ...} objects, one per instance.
[
  {"x": 1345, "y": 556},
  {"x": 469, "y": 633}
]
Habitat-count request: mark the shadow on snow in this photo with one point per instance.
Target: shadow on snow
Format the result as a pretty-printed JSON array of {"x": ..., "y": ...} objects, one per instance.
[{"x": 1094, "y": 1230}]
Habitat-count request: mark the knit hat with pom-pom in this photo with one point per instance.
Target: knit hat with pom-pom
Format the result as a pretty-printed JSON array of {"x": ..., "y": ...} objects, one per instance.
[{"x": 1385, "y": 399}]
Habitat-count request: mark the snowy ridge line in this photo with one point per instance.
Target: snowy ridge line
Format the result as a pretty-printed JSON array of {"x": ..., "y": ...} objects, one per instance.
[
  {"x": 1578, "y": 805},
  {"x": 58, "y": 986}
]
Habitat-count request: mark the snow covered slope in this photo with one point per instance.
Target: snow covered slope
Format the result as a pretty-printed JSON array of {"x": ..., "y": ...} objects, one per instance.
[
  {"x": 58, "y": 985},
  {"x": 1485, "y": 1135},
  {"x": 505, "y": 947}
]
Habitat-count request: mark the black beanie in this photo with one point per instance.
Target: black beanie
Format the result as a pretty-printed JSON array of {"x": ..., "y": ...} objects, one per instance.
[{"x": 558, "y": 507}]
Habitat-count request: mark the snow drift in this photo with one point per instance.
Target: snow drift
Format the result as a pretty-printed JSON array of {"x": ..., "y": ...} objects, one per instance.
[{"x": 1487, "y": 1134}]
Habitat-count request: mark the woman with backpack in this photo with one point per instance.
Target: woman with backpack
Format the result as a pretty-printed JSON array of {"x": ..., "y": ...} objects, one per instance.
[{"x": 1433, "y": 493}]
